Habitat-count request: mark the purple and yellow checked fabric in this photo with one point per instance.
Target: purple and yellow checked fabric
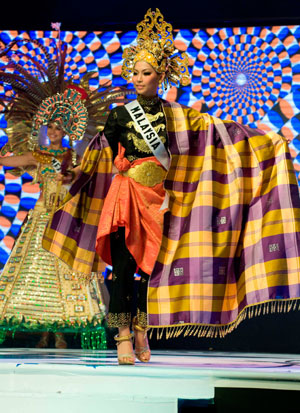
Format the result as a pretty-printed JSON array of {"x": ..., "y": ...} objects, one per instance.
[
  {"x": 231, "y": 237},
  {"x": 71, "y": 235}
]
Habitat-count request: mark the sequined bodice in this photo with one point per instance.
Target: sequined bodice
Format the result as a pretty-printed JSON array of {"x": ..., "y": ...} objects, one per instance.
[
  {"x": 47, "y": 178},
  {"x": 49, "y": 185}
]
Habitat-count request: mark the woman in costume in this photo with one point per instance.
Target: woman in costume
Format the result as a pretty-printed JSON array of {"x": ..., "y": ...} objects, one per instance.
[
  {"x": 130, "y": 227},
  {"x": 40, "y": 293},
  {"x": 131, "y": 222},
  {"x": 209, "y": 209}
]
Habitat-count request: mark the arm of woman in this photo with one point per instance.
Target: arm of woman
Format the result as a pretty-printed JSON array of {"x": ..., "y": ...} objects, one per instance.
[
  {"x": 111, "y": 131},
  {"x": 18, "y": 161},
  {"x": 70, "y": 175}
]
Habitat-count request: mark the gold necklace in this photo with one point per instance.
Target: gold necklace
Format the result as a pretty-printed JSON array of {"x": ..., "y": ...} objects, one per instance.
[{"x": 147, "y": 101}]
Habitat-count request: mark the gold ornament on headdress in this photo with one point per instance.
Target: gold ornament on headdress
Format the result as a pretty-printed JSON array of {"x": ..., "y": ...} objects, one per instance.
[
  {"x": 155, "y": 45},
  {"x": 40, "y": 94},
  {"x": 66, "y": 110}
]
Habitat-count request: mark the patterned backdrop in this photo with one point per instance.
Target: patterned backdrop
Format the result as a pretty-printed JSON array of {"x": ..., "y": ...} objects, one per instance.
[{"x": 248, "y": 74}]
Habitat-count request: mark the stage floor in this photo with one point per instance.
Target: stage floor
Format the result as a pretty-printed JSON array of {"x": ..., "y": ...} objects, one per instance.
[{"x": 35, "y": 380}]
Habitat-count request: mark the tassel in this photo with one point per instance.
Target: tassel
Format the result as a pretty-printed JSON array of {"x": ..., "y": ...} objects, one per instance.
[
  {"x": 94, "y": 340},
  {"x": 220, "y": 331}
]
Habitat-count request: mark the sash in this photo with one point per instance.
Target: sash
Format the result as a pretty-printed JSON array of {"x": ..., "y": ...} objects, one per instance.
[
  {"x": 149, "y": 135},
  {"x": 56, "y": 165}
]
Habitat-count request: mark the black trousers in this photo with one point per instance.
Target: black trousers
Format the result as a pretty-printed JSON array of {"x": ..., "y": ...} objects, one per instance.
[{"x": 122, "y": 299}]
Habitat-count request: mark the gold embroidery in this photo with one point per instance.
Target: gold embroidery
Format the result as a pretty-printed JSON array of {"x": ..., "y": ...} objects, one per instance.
[
  {"x": 160, "y": 127},
  {"x": 138, "y": 141},
  {"x": 151, "y": 118},
  {"x": 132, "y": 158},
  {"x": 155, "y": 117},
  {"x": 118, "y": 319},
  {"x": 142, "y": 319},
  {"x": 140, "y": 144}
]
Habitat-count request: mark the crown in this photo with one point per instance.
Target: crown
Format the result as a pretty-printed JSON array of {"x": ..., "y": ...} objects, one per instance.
[
  {"x": 155, "y": 45},
  {"x": 65, "y": 109}
]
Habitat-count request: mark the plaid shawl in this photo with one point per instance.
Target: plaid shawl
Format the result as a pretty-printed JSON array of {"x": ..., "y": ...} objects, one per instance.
[
  {"x": 231, "y": 237},
  {"x": 71, "y": 233}
]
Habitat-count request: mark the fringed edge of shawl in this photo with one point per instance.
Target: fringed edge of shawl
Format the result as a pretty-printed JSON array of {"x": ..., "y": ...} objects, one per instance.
[{"x": 221, "y": 330}]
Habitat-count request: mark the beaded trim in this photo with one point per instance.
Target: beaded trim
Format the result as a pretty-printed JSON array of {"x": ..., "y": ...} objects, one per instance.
[{"x": 54, "y": 152}]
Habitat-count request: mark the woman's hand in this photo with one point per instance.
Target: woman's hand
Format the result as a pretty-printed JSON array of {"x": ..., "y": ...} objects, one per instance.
[
  {"x": 69, "y": 176},
  {"x": 66, "y": 178}
]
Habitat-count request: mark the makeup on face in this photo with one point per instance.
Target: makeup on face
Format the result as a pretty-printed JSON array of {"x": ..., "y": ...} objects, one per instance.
[{"x": 145, "y": 79}]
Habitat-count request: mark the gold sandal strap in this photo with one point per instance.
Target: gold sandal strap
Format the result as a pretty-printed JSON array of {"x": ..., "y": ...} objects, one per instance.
[
  {"x": 137, "y": 327},
  {"x": 141, "y": 350},
  {"x": 123, "y": 338}
]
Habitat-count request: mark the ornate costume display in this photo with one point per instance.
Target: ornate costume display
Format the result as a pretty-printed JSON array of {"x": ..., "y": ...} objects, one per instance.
[
  {"x": 38, "y": 292},
  {"x": 228, "y": 246}
]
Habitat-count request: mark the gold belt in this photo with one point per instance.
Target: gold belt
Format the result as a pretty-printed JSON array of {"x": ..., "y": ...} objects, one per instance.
[{"x": 147, "y": 173}]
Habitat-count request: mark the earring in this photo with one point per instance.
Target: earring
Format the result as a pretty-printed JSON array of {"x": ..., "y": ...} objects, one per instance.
[
  {"x": 160, "y": 90},
  {"x": 74, "y": 154}
]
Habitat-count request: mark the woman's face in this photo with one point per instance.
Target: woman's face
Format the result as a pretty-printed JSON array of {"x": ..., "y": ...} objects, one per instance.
[
  {"x": 55, "y": 133},
  {"x": 145, "y": 79}
]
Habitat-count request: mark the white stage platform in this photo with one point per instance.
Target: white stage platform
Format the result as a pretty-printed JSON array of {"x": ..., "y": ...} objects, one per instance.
[{"x": 80, "y": 381}]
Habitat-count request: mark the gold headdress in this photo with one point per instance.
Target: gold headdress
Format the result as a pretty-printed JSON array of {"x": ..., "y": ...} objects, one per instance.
[
  {"x": 155, "y": 45},
  {"x": 41, "y": 95}
]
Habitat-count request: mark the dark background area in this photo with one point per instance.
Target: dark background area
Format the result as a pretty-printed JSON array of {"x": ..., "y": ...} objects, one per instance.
[{"x": 121, "y": 14}]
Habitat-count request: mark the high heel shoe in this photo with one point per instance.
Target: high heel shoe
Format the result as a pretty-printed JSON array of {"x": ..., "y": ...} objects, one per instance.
[
  {"x": 44, "y": 340},
  {"x": 125, "y": 358},
  {"x": 60, "y": 341},
  {"x": 142, "y": 353}
]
